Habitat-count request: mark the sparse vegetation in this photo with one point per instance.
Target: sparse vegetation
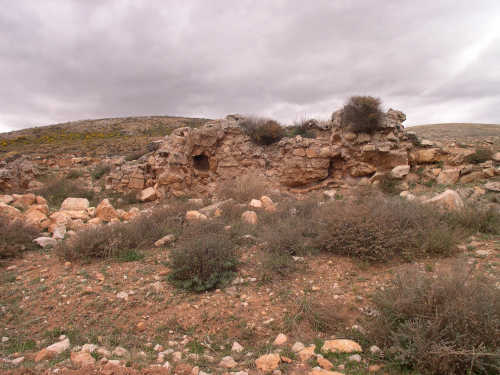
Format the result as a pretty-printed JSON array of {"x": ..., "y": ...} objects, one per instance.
[
  {"x": 363, "y": 114},
  {"x": 16, "y": 237},
  {"x": 75, "y": 173},
  {"x": 243, "y": 189},
  {"x": 59, "y": 189},
  {"x": 443, "y": 324},
  {"x": 300, "y": 128},
  {"x": 100, "y": 170},
  {"x": 262, "y": 131},
  {"x": 205, "y": 260},
  {"x": 120, "y": 240}
]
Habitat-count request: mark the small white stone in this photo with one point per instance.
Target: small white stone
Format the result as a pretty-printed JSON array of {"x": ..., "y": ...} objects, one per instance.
[
  {"x": 355, "y": 358},
  {"x": 237, "y": 347},
  {"x": 297, "y": 347},
  {"x": 120, "y": 352},
  {"x": 5, "y": 339},
  {"x": 122, "y": 295}
]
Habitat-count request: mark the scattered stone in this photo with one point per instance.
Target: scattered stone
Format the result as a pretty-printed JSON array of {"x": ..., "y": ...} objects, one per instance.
[
  {"x": 82, "y": 359},
  {"x": 17, "y": 361},
  {"x": 228, "y": 362},
  {"x": 90, "y": 348},
  {"x": 255, "y": 203},
  {"x": 374, "y": 368},
  {"x": 5, "y": 339},
  {"x": 374, "y": 349},
  {"x": 168, "y": 239},
  {"x": 320, "y": 371},
  {"x": 268, "y": 362},
  {"x": 354, "y": 358},
  {"x": 268, "y": 204},
  {"x": 330, "y": 194},
  {"x": 341, "y": 345},
  {"x": 324, "y": 363},
  {"x": 105, "y": 211},
  {"x": 493, "y": 186},
  {"x": 280, "y": 339},
  {"x": 400, "y": 171},
  {"x": 44, "y": 354},
  {"x": 195, "y": 215},
  {"x": 59, "y": 347},
  {"x": 120, "y": 352},
  {"x": 306, "y": 353},
  {"x": 237, "y": 347},
  {"x": 45, "y": 242},
  {"x": 122, "y": 295},
  {"x": 297, "y": 347}
]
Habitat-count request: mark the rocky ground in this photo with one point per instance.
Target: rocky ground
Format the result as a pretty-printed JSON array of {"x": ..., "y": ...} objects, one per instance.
[{"x": 123, "y": 316}]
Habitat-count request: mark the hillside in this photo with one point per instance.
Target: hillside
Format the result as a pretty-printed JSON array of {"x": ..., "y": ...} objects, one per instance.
[
  {"x": 459, "y": 132},
  {"x": 99, "y": 137}
]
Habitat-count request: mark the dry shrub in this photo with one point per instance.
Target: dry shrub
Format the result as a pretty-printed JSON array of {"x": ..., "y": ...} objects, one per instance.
[
  {"x": 479, "y": 156},
  {"x": 100, "y": 170},
  {"x": 205, "y": 259},
  {"x": 472, "y": 219},
  {"x": 16, "y": 237},
  {"x": 320, "y": 318},
  {"x": 449, "y": 324},
  {"x": 243, "y": 189},
  {"x": 262, "y": 131},
  {"x": 363, "y": 114},
  {"x": 380, "y": 229},
  {"x": 120, "y": 239},
  {"x": 58, "y": 190}
]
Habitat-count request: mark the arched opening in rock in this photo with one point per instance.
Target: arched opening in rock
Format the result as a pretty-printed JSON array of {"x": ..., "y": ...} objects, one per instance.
[{"x": 201, "y": 162}]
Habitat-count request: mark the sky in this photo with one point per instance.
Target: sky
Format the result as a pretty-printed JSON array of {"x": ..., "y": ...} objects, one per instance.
[{"x": 65, "y": 60}]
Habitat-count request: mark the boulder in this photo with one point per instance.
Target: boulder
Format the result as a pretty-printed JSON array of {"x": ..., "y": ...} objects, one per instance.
[
  {"x": 34, "y": 217},
  {"x": 268, "y": 362},
  {"x": 75, "y": 204},
  {"x": 10, "y": 212},
  {"x": 496, "y": 156},
  {"x": 268, "y": 204},
  {"x": 168, "y": 239},
  {"x": 105, "y": 211},
  {"x": 24, "y": 200},
  {"x": 147, "y": 195},
  {"x": 448, "y": 200},
  {"x": 280, "y": 339},
  {"x": 341, "y": 346},
  {"x": 362, "y": 169},
  {"x": 59, "y": 347},
  {"x": 400, "y": 171},
  {"x": 195, "y": 215},
  {"x": 448, "y": 176},
  {"x": 429, "y": 155},
  {"x": 6, "y": 199},
  {"x": 45, "y": 242},
  {"x": 255, "y": 203},
  {"x": 82, "y": 359}
]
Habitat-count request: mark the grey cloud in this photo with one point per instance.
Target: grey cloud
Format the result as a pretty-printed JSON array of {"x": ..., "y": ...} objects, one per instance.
[{"x": 66, "y": 59}]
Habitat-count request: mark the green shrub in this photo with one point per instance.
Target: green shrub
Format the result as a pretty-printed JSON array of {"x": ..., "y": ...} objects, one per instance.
[
  {"x": 444, "y": 324},
  {"x": 16, "y": 237},
  {"x": 300, "y": 128},
  {"x": 59, "y": 189},
  {"x": 319, "y": 317},
  {"x": 479, "y": 156},
  {"x": 100, "y": 170},
  {"x": 205, "y": 260},
  {"x": 122, "y": 240},
  {"x": 262, "y": 131},
  {"x": 389, "y": 185},
  {"x": 363, "y": 114}
]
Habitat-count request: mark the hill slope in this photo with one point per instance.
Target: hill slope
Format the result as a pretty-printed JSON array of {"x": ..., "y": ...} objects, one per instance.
[
  {"x": 99, "y": 137},
  {"x": 459, "y": 132}
]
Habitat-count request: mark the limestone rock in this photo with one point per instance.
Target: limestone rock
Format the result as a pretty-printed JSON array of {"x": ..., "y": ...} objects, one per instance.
[
  {"x": 147, "y": 195},
  {"x": 82, "y": 359},
  {"x": 429, "y": 155},
  {"x": 280, "y": 339},
  {"x": 228, "y": 362},
  {"x": 249, "y": 217},
  {"x": 9, "y": 211},
  {"x": 493, "y": 186},
  {"x": 306, "y": 353},
  {"x": 342, "y": 346},
  {"x": 105, "y": 211},
  {"x": 168, "y": 239},
  {"x": 75, "y": 204},
  {"x": 59, "y": 347},
  {"x": 255, "y": 203},
  {"x": 400, "y": 171},
  {"x": 448, "y": 176},
  {"x": 268, "y": 204},
  {"x": 195, "y": 215},
  {"x": 6, "y": 199},
  {"x": 448, "y": 200},
  {"x": 45, "y": 242},
  {"x": 237, "y": 347},
  {"x": 268, "y": 362}
]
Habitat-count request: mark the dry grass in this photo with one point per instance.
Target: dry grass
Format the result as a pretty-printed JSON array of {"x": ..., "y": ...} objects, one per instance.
[
  {"x": 59, "y": 189},
  {"x": 243, "y": 189},
  {"x": 444, "y": 324},
  {"x": 262, "y": 131},
  {"x": 16, "y": 237}
]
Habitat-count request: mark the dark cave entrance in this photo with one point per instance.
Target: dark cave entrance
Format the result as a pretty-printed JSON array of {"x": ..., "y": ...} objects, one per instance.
[{"x": 201, "y": 162}]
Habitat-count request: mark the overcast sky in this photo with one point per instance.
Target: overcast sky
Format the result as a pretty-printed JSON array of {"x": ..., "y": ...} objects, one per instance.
[{"x": 61, "y": 60}]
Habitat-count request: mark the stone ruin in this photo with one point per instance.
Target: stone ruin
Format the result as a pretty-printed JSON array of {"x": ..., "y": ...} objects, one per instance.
[{"x": 196, "y": 160}]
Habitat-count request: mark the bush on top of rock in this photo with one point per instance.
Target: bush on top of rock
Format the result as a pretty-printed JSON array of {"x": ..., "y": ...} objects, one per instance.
[
  {"x": 262, "y": 131},
  {"x": 363, "y": 114}
]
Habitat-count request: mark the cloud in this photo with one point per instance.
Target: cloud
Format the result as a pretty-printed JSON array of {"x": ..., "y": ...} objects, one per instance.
[{"x": 65, "y": 60}]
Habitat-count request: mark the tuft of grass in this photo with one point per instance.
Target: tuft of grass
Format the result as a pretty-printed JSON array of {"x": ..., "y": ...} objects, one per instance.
[
  {"x": 440, "y": 324},
  {"x": 74, "y": 174},
  {"x": 243, "y": 189},
  {"x": 262, "y": 131},
  {"x": 363, "y": 114}
]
